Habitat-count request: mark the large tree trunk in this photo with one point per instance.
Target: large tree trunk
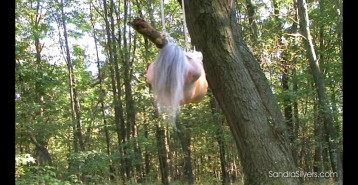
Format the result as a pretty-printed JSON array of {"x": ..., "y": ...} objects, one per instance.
[
  {"x": 318, "y": 78},
  {"x": 242, "y": 92},
  {"x": 241, "y": 89}
]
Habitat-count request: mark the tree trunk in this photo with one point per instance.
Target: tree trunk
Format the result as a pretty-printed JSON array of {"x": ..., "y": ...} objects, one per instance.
[
  {"x": 101, "y": 99},
  {"x": 318, "y": 77},
  {"x": 317, "y": 158},
  {"x": 43, "y": 156},
  {"x": 146, "y": 153},
  {"x": 185, "y": 143},
  {"x": 220, "y": 138},
  {"x": 75, "y": 104},
  {"x": 130, "y": 106},
  {"x": 118, "y": 112},
  {"x": 242, "y": 91},
  {"x": 125, "y": 129},
  {"x": 146, "y": 131},
  {"x": 162, "y": 154},
  {"x": 251, "y": 11},
  {"x": 296, "y": 119},
  {"x": 287, "y": 104},
  {"x": 285, "y": 76}
]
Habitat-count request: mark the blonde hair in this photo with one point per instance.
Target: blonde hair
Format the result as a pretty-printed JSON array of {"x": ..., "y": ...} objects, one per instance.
[{"x": 169, "y": 78}]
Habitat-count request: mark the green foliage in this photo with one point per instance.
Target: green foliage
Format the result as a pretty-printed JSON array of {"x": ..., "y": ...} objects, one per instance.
[
  {"x": 43, "y": 104},
  {"x": 27, "y": 173},
  {"x": 92, "y": 164}
]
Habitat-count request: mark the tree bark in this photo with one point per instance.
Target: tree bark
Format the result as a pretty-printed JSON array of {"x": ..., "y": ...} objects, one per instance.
[
  {"x": 317, "y": 158},
  {"x": 215, "y": 108},
  {"x": 252, "y": 113},
  {"x": 118, "y": 112},
  {"x": 43, "y": 155},
  {"x": 251, "y": 11},
  {"x": 142, "y": 27},
  {"x": 323, "y": 100},
  {"x": 242, "y": 91},
  {"x": 185, "y": 143},
  {"x": 162, "y": 154},
  {"x": 296, "y": 118}
]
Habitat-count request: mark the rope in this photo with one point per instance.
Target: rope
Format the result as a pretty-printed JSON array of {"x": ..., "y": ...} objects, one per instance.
[
  {"x": 184, "y": 24},
  {"x": 185, "y": 28},
  {"x": 163, "y": 20}
]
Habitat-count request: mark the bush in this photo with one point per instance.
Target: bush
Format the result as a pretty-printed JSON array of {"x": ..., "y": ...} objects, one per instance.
[{"x": 27, "y": 173}]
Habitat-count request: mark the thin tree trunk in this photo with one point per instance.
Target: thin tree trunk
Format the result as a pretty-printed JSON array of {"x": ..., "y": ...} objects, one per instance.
[
  {"x": 146, "y": 133},
  {"x": 317, "y": 158},
  {"x": 215, "y": 108},
  {"x": 75, "y": 104},
  {"x": 43, "y": 156},
  {"x": 185, "y": 143},
  {"x": 285, "y": 77},
  {"x": 146, "y": 153},
  {"x": 125, "y": 129},
  {"x": 169, "y": 150},
  {"x": 251, "y": 11},
  {"x": 101, "y": 98},
  {"x": 302, "y": 155},
  {"x": 321, "y": 90},
  {"x": 118, "y": 114},
  {"x": 339, "y": 5},
  {"x": 296, "y": 119},
  {"x": 162, "y": 153},
  {"x": 287, "y": 103},
  {"x": 130, "y": 107}
]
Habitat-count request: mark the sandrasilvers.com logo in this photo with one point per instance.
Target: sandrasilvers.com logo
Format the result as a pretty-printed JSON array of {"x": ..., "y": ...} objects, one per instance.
[{"x": 299, "y": 174}]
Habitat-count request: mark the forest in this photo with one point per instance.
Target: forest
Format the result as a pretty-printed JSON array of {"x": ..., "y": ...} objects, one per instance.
[{"x": 85, "y": 114}]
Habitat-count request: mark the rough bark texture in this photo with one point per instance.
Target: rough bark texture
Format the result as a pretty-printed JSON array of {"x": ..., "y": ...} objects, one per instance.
[
  {"x": 149, "y": 32},
  {"x": 242, "y": 91}
]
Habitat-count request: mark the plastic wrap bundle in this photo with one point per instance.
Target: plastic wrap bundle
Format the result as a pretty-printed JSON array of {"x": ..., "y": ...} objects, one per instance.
[{"x": 169, "y": 78}]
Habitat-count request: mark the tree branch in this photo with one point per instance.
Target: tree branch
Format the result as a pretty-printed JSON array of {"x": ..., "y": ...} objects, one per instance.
[{"x": 141, "y": 26}]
